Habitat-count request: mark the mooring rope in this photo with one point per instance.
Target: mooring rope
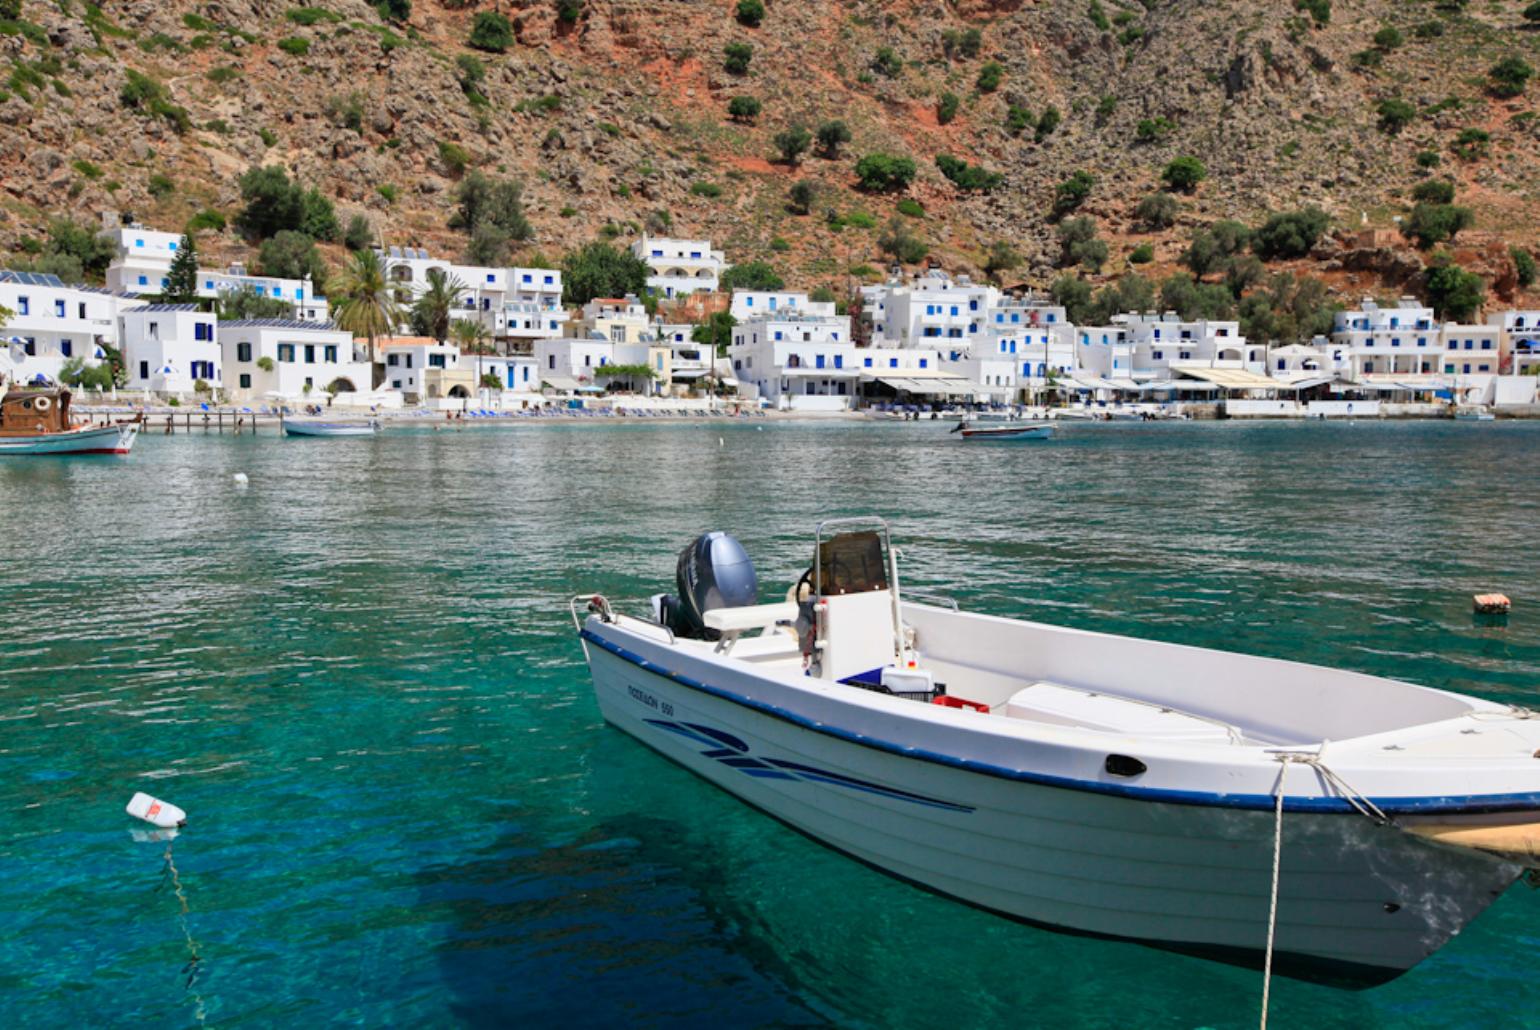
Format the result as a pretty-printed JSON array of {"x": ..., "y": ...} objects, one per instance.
[{"x": 1360, "y": 803}]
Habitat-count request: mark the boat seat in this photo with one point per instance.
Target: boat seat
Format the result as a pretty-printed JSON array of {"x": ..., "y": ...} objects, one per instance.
[
  {"x": 732, "y": 623},
  {"x": 751, "y": 616},
  {"x": 1093, "y": 710}
]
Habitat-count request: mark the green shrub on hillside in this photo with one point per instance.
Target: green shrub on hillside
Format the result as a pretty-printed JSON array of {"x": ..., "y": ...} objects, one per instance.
[
  {"x": 792, "y": 143},
  {"x": 831, "y": 135},
  {"x": 1184, "y": 173},
  {"x": 1509, "y": 76},
  {"x": 989, "y": 78},
  {"x": 967, "y": 176},
  {"x": 946, "y": 108},
  {"x": 1431, "y": 223},
  {"x": 744, "y": 109},
  {"x": 1319, "y": 10},
  {"x": 1454, "y": 293},
  {"x": 491, "y": 31},
  {"x": 1157, "y": 211},
  {"x": 299, "y": 46},
  {"x": 882, "y": 172},
  {"x": 736, "y": 57},
  {"x": 751, "y": 12},
  {"x": 1290, "y": 234},
  {"x": 1395, "y": 114},
  {"x": 1072, "y": 192},
  {"x": 1523, "y": 260},
  {"x": 885, "y": 62}
]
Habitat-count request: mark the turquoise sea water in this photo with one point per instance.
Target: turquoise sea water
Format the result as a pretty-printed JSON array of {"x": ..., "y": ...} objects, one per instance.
[{"x": 359, "y": 677}]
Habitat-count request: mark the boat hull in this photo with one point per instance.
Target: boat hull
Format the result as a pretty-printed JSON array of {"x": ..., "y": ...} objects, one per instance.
[
  {"x": 1031, "y": 432},
  {"x": 329, "y": 428},
  {"x": 117, "y": 439},
  {"x": 1358, "y": 904}
]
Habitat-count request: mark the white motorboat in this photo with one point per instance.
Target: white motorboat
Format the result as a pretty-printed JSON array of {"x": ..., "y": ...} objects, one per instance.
[
  {"x": 1014, "y": 431},
  {"x": 322, "y": 427},
  {"x": 1474, "y": 415},
  {"x": 38, "y": 422},
  {"x": 1093, "y": 783}
]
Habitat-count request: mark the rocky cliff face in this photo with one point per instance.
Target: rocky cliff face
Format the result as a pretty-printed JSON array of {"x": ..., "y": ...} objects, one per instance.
[{"x": 623, "y": 114}]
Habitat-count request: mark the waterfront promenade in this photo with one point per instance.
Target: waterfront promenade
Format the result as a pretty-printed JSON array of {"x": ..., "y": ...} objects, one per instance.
[{"x": 357, "y": 674}]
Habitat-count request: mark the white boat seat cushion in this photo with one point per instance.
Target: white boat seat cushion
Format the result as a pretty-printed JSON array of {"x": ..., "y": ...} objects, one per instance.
[
  {"x": 753, "y": 616},
  {"x": 1094, "y": 710}
]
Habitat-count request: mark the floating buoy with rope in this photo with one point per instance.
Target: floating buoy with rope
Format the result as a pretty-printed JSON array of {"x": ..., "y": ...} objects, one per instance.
[{"x": 156, "y": 812}]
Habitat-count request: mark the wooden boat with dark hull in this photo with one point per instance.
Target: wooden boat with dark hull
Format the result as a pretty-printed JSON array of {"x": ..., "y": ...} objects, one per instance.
[{"x": 38, "y": 422}]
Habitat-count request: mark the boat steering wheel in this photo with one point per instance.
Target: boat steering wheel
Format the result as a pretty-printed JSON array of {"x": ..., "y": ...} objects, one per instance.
[{"x": 805, "y": 581}]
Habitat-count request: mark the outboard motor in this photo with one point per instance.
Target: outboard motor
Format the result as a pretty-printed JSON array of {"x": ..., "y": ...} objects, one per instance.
[{"x": 714, "y": 572}]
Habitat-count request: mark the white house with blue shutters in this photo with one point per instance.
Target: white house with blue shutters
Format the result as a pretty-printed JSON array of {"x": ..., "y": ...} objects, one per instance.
[
  {"x": 1521, "y": 339},
  {"x": 299, "y": 294},
  {"x": 678, "y": 267},
  {"x": 53, "y": 322},
  {"x": 141, "y": 259},
  {"x": 1374, "y": 340},
  {"x": 306, "y": 360},
  {"x": 170, "y": 348},
  {"x": 1470, "y": 349},
  {"x": 516, "y": 306},
  {"x": 748, "y": 303},
  {"x": 798, "y": 361},
  {"x": 930, "y": 310}
]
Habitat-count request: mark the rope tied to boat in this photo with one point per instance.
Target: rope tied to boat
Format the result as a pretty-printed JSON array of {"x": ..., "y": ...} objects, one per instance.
[{"x": 1360, "y": 804}]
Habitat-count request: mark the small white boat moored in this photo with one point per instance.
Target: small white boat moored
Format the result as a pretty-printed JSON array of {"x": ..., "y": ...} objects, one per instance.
[
  {"x": 1015, "y": 431},
  {"x": 319, "y": 427},
  {"x": 1098, "y": 784}
]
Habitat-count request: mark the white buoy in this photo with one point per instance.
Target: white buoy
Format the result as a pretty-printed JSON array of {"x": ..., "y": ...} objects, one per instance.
[
  {"x": 156, "y": 812},
  {"x": 721, "y": 442},
  {"x": 240, "y": 479}
]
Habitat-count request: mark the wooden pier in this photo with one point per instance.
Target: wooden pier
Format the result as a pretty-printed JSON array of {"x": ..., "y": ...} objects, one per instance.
[{"x": 192, "y": 421}]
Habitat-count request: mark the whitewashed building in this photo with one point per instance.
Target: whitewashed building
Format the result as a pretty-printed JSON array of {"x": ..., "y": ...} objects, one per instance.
[
  {"x": 142, "y": 257},
  {"x": 930, "y": 310},
  {"x": 748, "y": 303},
  {"x": 617, "y": 319},
  {"x": 1374, "y": 340},
  {"x": 1470, "y": 349},
  {"x": 1521, "y": 340},
  {"x": 799, "y": 361},
  {"x": 306, "y": 359},
  {"x": 299, "y": 294},
  {"x": 514, "y": 305},
  {"x": 170, "y": 348},
  {"x": 53, "y": 322},
  {"x": 677, "y": 267}
]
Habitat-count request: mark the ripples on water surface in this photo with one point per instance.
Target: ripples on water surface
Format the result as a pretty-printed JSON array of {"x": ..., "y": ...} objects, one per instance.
[{"x": 359, "y": 678}]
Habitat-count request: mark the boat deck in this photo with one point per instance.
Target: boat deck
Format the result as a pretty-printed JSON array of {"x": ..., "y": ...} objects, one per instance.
[{"x": 1026, "y": 698}]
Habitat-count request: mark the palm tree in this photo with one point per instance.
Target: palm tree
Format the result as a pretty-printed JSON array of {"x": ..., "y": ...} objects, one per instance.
[
  {"x": 472, "y": 338},
  {"x": 435, "y": 307},
  {"x": 367, "y": 307}
]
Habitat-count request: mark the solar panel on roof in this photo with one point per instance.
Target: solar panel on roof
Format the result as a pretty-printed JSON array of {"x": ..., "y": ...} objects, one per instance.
[{"x": 395, "y": 252}]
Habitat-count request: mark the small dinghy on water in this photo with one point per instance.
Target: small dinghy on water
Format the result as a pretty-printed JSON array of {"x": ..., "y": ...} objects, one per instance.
[
  {"x": 1150, "y": 792},
  {"x": 1015, "y": 431},
  {"x": 38, "y": 422},
  {"x": 319, "y": 427}
]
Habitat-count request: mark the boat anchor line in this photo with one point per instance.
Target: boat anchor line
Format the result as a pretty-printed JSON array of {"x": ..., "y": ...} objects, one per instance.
[{"x": 734, "y": 753}]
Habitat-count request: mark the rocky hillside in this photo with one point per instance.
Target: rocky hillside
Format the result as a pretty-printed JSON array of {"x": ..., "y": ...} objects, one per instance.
[{"x": 615, "y": 115}]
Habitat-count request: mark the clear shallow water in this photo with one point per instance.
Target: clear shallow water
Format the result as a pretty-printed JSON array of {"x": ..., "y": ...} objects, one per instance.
[{"x": 358, "y": 676}]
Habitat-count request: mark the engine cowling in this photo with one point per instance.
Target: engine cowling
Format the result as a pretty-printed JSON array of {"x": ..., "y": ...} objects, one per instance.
[{"x": 714, "y": 572}]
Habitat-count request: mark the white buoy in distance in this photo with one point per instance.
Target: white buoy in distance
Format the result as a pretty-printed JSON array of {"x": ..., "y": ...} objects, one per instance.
[
  {"x": 156, "y": 812},
  {"x": 721, "y": 442},
  {"x": 240, "y": 479}
]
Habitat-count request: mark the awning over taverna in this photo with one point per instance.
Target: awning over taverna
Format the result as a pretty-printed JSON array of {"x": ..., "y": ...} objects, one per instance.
[
  {"x": 1228, "y": 378},
  {"x": 562, "y": 383}
]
